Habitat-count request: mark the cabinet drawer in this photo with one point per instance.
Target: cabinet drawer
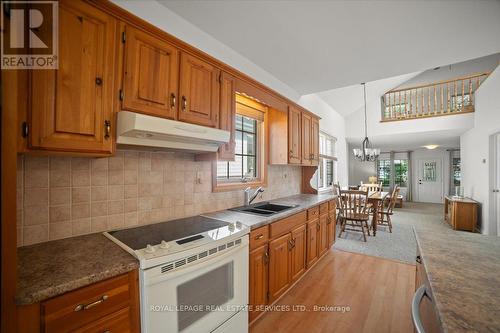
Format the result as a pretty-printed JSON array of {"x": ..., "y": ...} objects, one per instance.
[
  {"x": 259, "y": 237},
  {"x": 323, "y": 208},
  {"x": 117, "y": 322},
  {"x": 332, "y": 205},
  {"x": 287, "y": 224},
  {"x": 86, "y": 305},
  {"x": 312, "y": 213}
]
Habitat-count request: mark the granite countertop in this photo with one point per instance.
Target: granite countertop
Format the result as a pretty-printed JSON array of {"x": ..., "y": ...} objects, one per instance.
[
  {"x": 304, "y": 201},
  {"x": 463, "y": 269},
  {"x": 50, "y": 269}
]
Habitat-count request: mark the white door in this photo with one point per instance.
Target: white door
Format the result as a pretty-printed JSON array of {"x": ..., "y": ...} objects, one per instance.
[{"x": 430, "y": 181}]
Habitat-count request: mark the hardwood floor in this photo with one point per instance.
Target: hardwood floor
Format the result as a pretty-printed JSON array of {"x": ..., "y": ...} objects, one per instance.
[{"x": 378, "y": 292}]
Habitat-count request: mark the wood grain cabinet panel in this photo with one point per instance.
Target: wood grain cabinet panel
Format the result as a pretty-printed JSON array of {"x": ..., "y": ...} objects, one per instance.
[
  {"x": 323, "y": 234},
  {"x": 306, "y": 126},
  {"x": 71, "y": 107},
  {"x": 315, "y": 141},
  {"x": 279, "y": 266},
  {"x": 298, "y": 252},
  {"x": 294, "y": 136},
  {"x": 199, "y": 92},
  {"x": 150, "y": 81},
  {"x": 332, "y": 223},
  {"x": 227, "y": 115},
  {"x": 312, "y": 242},
  {"x": 258, "y": 279}
]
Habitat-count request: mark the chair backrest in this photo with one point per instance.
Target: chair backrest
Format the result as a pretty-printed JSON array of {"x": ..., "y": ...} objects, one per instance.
[
  {"x": 353, "y": 201},
  {"x": 394, "y": 198},
  {"x": 371, "y": 187}
]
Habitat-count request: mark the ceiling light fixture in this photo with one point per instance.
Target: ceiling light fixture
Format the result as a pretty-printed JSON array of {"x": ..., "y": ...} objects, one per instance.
[
  {"x": 367, "y": 153},
  {"x": 431, "y": 147}
]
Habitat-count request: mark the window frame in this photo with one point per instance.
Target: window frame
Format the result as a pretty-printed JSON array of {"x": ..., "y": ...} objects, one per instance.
[
  {"x": 387, "y": 163},
  {"x": 251, "y": 108},
  {"x": 323, "y": 162}
]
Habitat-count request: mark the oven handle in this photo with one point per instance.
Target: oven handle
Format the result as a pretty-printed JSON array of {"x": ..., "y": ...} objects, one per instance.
[{"x": 157, "y": 276}]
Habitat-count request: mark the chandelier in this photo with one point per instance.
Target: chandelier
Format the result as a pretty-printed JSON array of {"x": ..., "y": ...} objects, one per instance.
[{"x": 366, "y": 153}]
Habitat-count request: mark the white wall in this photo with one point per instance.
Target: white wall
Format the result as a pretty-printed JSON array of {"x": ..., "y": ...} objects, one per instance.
[
  {"x": 359, "y": 171},
  {"x": 334, "y": 124},
  {"x": 475, "y": 151},
  {"x": 479, "y": 65}
]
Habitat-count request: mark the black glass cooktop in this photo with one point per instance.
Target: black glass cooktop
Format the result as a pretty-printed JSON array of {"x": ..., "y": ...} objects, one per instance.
[{"x": 140, "y": 237}]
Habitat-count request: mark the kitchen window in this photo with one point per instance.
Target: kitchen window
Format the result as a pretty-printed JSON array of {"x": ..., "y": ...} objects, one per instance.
[
  {"x": 249, "y": 165},
  {"x": 327, "y": 162}
]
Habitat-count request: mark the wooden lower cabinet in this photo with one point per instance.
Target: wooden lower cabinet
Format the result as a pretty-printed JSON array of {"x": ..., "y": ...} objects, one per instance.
[
  {"x": 323, "y": 234},
  {"x": 298, "y": 252},
  {"x": 312, "y": 241},
  {"x": 332, "y": 223},
  {"x": 259, "y": 259},
  {"x": 111, "y": 305},
  {"x": 461, "y": 214},
  {"x": 279, "y": 266}
]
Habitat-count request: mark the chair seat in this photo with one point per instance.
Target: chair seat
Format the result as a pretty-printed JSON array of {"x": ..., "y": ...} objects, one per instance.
[{"x": 356, "y": 216}]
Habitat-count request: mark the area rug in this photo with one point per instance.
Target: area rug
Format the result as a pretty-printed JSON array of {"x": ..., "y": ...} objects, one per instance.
[{"x": 400, "y": 245}]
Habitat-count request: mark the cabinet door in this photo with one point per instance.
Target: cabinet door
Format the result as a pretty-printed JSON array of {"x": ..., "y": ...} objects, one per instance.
[
  {"x": 312, "y": 242},
  {"x": 72, "y": 107},
  {"x": 323, "y": 234},
  {"x": 314, "y": 141},
  {"x": 294, "y": 144},
  {"x": 279, "y": 266},
  {"x": 199, "y": 90},
  {"x": 227, "y": 115},
  {"x": 151, "y": 75},
  {"x": 298, "y": 253},
  {"x": 258, "y": 278},
  {"x": 306, "y": 138},
  {"x": 332, "y": 221}
]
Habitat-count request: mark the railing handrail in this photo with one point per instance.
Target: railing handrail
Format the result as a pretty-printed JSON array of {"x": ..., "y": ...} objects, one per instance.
[{"x": 460, "y": 78}]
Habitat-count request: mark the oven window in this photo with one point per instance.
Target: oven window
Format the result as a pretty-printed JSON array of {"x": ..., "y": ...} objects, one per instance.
[{"x": 197, "y": 297}]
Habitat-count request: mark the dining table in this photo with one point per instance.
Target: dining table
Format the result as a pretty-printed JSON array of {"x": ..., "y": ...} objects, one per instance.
[{"x": 377, "y": 201}]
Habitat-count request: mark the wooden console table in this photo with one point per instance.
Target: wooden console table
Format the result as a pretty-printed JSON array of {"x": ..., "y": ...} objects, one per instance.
[{"x": 460, "y": 213}]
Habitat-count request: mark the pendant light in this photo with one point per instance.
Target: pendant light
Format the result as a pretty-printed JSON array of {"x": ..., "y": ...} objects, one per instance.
[{"x": 367, "y": 153}]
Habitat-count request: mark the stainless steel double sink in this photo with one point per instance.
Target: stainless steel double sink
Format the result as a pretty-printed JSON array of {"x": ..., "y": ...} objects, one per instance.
[{"x": 263, "y": 208}]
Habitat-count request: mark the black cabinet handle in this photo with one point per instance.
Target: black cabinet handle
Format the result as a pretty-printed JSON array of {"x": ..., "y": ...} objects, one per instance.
[
  {"x": 98, "y": 81},
  {"x": 418, "y": 259}
]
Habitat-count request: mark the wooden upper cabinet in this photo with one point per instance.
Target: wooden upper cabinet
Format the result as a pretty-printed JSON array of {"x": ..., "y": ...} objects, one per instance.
[
  {"x": 315, "y": 141},
  {"x": 199, "y": 92},
  {"x": 306, "y": 126},
  {"x": 258, "y": 277},
  {"x": 227, "y": 115},
  {"x": 72, "y": 107},
  {"x": 298, "y": 252},
  {"x": 294, "y": 136},
  {"x": 150, "y": 81},
  {"x": 279, "y": 266}
]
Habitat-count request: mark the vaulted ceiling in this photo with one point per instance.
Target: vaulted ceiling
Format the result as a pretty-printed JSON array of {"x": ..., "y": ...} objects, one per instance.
[{"x": 314, "y": 46}]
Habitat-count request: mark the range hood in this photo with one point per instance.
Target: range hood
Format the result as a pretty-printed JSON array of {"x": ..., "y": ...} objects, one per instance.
[{"x": 135, "y": 129}]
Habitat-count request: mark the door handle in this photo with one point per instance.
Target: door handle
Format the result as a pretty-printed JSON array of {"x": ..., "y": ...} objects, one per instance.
[
  {"x": 107, "y": 129},
  {"x": 184, "y": 103},
  {"x": 415, "y": 305},
  {"x": 172, "y": 100}
]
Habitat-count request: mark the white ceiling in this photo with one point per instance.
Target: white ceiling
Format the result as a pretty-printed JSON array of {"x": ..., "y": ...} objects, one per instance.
[
  {"x": 314, "y": 46},
  {"x": 349, "y": 99}
]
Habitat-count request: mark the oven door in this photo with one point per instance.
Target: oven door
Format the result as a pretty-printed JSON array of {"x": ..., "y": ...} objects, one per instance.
[{"x": 197, "y": 298}]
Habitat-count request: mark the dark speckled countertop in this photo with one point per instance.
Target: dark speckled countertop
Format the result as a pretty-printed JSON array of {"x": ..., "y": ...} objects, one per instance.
[
  {"x": 303, "y": 201},
  {"x": 463, "y": 269},
  {"x": 50, "y": 269}
]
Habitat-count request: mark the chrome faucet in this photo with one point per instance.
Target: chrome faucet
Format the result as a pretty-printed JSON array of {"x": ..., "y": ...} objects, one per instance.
[{"x": 251, "y": 197}]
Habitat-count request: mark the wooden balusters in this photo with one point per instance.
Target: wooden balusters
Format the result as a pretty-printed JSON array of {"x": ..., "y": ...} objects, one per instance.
[{"x": 442, "y": 98}]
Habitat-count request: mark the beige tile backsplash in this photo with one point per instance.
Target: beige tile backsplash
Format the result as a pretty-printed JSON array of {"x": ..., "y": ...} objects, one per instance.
[{"x": 60, "y": 197}]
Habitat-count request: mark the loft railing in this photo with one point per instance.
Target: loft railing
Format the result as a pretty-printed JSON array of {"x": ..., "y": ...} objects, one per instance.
[{"x": 442, "y": 98}]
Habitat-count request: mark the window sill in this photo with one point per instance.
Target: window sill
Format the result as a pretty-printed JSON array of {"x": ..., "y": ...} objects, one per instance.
[{"x": 225, "y": 187}]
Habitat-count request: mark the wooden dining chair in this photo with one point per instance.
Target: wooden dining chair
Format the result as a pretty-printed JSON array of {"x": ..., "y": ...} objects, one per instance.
[
  {"x": 354, "y": 211},
  {"x": 386, "y": 213},
  {"x": 371, "y": 187}
]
